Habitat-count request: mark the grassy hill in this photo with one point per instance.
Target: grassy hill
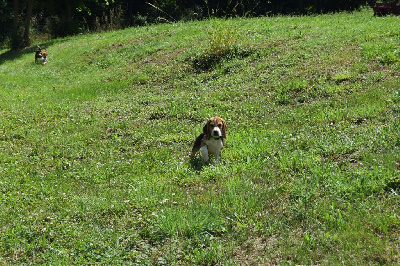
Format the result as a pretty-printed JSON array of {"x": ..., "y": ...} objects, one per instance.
[{"x": 94, "y": 145}]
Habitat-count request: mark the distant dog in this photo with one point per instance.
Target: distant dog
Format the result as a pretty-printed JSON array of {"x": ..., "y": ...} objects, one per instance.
[
  {"x": 212, "y": 140},
  {"x": 41, "y": 56}
]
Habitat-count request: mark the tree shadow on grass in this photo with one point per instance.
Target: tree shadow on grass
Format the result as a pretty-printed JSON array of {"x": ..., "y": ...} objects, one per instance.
[{"x": 10, "y": 55}]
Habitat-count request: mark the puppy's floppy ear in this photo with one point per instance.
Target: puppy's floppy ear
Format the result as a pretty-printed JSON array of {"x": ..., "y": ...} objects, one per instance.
[
  {"x": 205, "y": 129},
  {"x": 223, "y": 128}
]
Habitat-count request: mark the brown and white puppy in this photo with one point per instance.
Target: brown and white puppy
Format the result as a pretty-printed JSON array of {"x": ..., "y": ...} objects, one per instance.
[
  {"x": 212, "y": 140},
  {"x": 41, "y": 56}
]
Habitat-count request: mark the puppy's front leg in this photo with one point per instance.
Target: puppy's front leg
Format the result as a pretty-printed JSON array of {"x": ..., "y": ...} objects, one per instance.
[
  {"x": 216, "y": 157},
  {"x": 204, "y": 153}
]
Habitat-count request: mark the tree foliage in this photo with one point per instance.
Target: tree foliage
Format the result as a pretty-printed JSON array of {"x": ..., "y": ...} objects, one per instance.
[{"x": 67, "y": 17}]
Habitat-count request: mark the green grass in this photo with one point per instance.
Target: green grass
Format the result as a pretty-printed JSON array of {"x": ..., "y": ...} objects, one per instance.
[{"x": 94, "y": 145}]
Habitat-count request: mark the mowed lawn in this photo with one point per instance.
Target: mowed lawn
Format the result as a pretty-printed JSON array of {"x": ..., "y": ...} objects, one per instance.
[{"x": 94, "y": 145}]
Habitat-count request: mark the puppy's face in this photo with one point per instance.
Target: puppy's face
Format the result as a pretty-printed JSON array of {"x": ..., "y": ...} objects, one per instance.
[
  {"x": 215, "y": 127},
  {"x": 41, "y": 55},
  {"x": 38, "y": 54}
]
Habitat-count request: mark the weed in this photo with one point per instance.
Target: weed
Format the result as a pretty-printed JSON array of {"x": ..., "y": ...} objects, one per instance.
[{"x": 110, "y": 21}]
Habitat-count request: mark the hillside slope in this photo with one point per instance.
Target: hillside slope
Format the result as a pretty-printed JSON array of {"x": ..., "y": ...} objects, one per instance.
[{"x": 94, "y": 145}]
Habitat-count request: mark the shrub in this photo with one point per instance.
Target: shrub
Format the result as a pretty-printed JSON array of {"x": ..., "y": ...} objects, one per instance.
[
  {"x": 61, "y": 28},
  {"x": 223, "y": 43}
]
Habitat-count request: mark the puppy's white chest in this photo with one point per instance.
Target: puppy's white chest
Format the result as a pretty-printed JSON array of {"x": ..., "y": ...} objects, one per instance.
[{"x": 214, "y": 146}]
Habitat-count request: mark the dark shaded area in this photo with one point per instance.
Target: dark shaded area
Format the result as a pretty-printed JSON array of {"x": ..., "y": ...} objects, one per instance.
[{"x": 383, "y": 9}]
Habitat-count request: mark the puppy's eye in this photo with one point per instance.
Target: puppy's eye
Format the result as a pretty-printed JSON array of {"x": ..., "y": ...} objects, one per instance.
[{"x": 219, "y": 125}]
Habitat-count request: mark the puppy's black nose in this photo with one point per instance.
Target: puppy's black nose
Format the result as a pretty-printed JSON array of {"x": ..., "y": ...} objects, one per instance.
[{"x": 215, "y": 133}]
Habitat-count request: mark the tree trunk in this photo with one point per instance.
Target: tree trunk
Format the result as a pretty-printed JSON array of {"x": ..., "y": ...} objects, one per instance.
[
  {"x": 28, "y": 18},
  {"x": 15, "y": 18},
  {"x": 15, "y": 33}
]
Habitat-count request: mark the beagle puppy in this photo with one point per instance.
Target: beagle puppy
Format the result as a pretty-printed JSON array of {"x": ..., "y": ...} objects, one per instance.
[
  {"x": 212, "y": 140},
  {"x": 41, "y": 55}
]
